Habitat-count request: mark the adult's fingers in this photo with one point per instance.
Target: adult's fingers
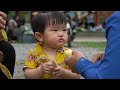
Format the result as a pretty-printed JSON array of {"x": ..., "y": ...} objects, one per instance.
[
  {"x": 67, "y": 60},
  {"x": 3, "y": 15},
  {"x": 3, "y": 22},
  {"x": 77, "y": 54},
  {"x": 95, "y": 59},
  {"x": 2, "y": 26}
]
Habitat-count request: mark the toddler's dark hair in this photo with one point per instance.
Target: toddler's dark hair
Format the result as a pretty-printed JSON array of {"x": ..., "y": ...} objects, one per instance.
[{"x": 47, "y": 19}]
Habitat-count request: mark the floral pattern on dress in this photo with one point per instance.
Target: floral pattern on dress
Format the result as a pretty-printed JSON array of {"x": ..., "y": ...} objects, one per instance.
[
  {"x": 31, "y": 57},
  {"x": 61, "y": 50}
]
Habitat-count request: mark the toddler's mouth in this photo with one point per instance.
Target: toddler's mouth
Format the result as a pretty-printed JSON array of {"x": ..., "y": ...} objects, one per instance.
[{"x": 61, "y": 40}]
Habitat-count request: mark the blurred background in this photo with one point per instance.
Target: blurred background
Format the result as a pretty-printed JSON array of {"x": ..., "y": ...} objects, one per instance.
[
  {"x": 85, "y": 32},
  {"x": 81, "y": 22}
]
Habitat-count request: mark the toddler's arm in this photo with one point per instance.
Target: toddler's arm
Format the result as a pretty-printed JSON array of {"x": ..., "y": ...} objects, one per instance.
[
  {"x": 33, "y": 73},
  {"x": 43, "y": 68}
]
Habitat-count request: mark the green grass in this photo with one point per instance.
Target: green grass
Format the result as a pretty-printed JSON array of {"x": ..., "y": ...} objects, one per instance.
[{"x": 99, "y": 45}]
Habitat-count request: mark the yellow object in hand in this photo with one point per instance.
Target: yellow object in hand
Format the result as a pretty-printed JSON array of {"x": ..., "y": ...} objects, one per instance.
[
  {"x": 68, "y": 52},
  {"x": 54, "y": 63}
]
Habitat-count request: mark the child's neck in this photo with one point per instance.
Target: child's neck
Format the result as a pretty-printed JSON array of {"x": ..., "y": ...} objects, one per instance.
[{"x": 51, "y": 52}]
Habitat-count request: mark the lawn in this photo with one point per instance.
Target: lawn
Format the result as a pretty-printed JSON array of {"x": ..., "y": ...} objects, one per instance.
[{"x": 99, "y": 45}]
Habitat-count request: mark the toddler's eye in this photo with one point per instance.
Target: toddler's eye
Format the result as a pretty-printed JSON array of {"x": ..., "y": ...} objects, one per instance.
[
  {"x": 64, "y": 30},
  {"x": 54, "y": 30}
]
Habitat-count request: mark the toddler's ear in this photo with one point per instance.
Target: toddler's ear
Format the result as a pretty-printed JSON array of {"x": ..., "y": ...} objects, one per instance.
[{"x": 39, "y": 36}]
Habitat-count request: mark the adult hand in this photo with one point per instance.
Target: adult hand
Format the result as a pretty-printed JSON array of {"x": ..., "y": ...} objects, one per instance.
[
  {"x": 3, "y": 18},
  {"x": 71, "y": 61},
  {"x": 97, "y": 57}
]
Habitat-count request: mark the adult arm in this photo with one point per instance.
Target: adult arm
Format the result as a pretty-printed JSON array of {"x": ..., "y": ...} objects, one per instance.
[{"x": 108, "y": 68}]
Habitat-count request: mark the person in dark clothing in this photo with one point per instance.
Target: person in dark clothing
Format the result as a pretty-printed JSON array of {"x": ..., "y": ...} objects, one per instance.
[
  {"x": 9, "y": 58},
  {"x": 7, "y": 50}
]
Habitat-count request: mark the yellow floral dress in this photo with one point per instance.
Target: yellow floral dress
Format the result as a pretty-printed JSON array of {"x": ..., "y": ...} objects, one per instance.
[{"x": 37, "y": 55}]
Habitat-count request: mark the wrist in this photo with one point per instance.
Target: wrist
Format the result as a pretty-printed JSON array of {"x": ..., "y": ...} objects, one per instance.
[
  {"x": 68, "y": 74},
  {"x": 82, "y": 58},
  {"x": 65, "y": 75},
  {"x": 40, "y": 71},
  {"x": 80, "y": 64}
]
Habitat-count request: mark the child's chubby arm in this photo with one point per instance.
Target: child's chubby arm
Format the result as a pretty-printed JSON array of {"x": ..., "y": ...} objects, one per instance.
[
  {"x": 37, "y": 73},
  {"x": 30, "y": 73},
  {"x": 61, "y": 73}
]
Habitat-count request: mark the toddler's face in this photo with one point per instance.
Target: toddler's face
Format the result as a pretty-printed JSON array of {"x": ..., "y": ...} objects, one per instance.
[{"x": 55, "y": 36}]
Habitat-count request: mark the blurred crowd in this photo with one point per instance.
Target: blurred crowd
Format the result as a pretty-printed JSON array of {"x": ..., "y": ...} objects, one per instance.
[
  {"x": 76, "y": 21},
  {"x": 15, "y": 28}
]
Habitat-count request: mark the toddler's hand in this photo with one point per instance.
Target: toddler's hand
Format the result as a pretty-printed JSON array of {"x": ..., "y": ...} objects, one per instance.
[
  {"x": 58, "y": 72},
  {"x": 46, "y": 68}
]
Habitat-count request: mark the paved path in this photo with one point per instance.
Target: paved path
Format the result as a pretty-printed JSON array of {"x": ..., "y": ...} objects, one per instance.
[{"x": 89, "y": 39}]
